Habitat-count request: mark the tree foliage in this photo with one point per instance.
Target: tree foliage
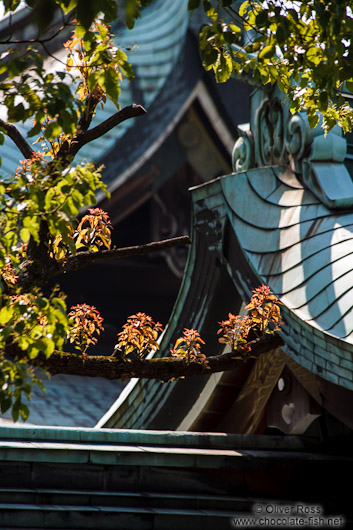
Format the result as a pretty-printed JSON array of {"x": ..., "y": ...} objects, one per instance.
[
  {"x": 305, "y": 47},
  {"x": 40, "y": 204}
]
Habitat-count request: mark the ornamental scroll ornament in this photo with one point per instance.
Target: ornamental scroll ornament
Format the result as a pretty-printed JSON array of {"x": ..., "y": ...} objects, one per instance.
[
  {"x": 270, "y": 133},
  {"x": 275, "y": 137},
  {"x": 243, "y": 151}
]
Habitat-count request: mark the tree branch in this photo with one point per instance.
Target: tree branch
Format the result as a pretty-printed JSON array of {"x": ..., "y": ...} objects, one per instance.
[
  {"x": 82, "y": 259},
  {"x": 163, "y": 369},
  {"x": 37, "y": 272},
  {"x": 17, "y": 137},
  {"x": 71, "y": 149},
  {"x": 133, "y": 111}
]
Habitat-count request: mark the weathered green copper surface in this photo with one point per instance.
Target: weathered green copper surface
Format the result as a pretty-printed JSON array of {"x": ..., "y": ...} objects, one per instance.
[
  {"x": 303, "y": 251},
  {"x": 275, "y": 137},
  {"x": 137, "y": 437}
]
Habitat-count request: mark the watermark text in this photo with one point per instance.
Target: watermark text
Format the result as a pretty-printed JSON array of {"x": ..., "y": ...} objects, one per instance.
[{"x": 288, "y": 516}]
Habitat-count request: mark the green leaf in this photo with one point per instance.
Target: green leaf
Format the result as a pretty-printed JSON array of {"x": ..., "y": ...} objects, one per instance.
[
  {"x": 112, "y": 84},
  {"x": 132, "y": 12},
  {"x": 262, "y": 18},
  {"x": 32, "y": 351},
  {"x": 86, "y": 11},
  {"x": 11, "y": 5},
  {"x": 6, "y": 332},
  {"x": 5, "y": 404},
  {"x": 267, "y": 52},
  {"x": 24, "y": 411},
  {"x": 243, "y": 8},
  {"x": 25, "y": 234},
  {"x": 292, "y": 15},
  {"x": 224, "y": 69},
  {"x": 212, "y": 13},
  {"x": 45, "y": 345},
  {"x": 10, "y": 240},
  {"x": 265, "y": 75},
  {"x": 193, "y": 4},
  {"x": 33, "y": 224},
  {"x": 304, "y": 81},
  {"x": 210, "y": 57},
  {"x": 128, "y": 70},
  {"x": 17, "y": 113},
  {"x": 67, "y": 5},
  {"x": 235, "y": 29},
  {"x": 110, "y": 9},
  {"x": 80, "y": 31},
  {"x": 6, "y": 313},
  {"x": 49, "y": 203},
  {"x": 282, "y": 33},
  {"x": 53, "y": 130},
  {"x": 313, "y": 120},
  {"x": 23, "y": 342},
  {"x": 35, "y": 130},
  {"x": 89, "y": 41},
  {"x": 67, "y": 122},
  {"x": 15, "y": 410},
  {"x": 313, "y": 55},
  {"x": 323, "y": 100}
]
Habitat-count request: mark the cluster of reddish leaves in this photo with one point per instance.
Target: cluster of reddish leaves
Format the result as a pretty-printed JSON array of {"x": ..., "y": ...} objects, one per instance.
[
  {"x": 94, "y": 231},
  {"x": 26, "y": 164},
  {"x": 139, "y": 335},
  {"x": 235, "y": 330},
  {"x": 9, "y": 275},
  {"x": 189, "y": 346},
  {"x": 264, "y": 311},
  {"x": 264, "y": 316},
  {"x": 85, "y": 322}
]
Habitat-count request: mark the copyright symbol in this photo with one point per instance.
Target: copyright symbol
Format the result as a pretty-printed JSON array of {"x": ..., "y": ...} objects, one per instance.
[{"x": 258, "y": 508}]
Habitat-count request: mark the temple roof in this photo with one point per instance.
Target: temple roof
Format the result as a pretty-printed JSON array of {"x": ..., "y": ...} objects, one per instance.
[{"x": 69, "y": 401}]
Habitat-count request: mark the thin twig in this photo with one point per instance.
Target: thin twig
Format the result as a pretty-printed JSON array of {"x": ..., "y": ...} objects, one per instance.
[
  {"x": 50, "y": 54},
  {"x": 37, "y": 40}
]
